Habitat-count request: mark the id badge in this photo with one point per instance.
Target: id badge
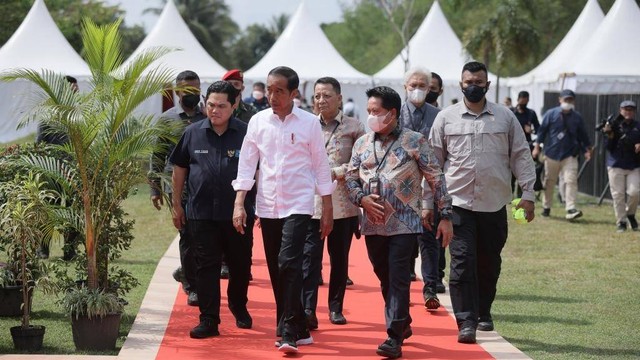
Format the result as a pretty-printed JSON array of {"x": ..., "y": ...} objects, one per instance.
[
  {"x": 560, "y": 135},
  {"x": 374, "y": 186}
]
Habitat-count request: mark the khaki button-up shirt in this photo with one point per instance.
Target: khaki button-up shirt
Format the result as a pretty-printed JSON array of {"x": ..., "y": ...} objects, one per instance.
[
  {"x": 339, "y": 136},
  {"x": 479, "y": 152}
]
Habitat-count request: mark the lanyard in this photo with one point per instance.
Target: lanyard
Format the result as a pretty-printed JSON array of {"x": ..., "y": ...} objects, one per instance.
[
  {"x": 331, "y": 135},
  {"x": 334, "y": 130},
  {"x": 379, "y": 164}
]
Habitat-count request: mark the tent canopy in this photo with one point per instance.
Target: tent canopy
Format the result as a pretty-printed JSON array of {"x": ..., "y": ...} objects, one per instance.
[
  {"x": 39, "y": 44},
  {"x": 171, "y": 31},
  {"x": 304, "y": 47},
  {"x": 435, "y": 46},
  {"x": 568, "y": 50}
]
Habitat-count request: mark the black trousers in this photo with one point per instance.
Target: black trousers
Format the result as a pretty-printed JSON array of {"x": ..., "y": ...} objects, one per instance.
[
  {"x": 283, "y": 247},
  {"x": 391, "y": 257},
  {"x": 187, "y": 259},
  {"x": 338, "y": 246},
  {"x": 475, "y": 262},
  {"x": 210, "y": 240}
]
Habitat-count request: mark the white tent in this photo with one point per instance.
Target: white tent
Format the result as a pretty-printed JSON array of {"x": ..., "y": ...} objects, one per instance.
[
  {"x": 171, "y": 31},
  {"x": 304, "y": 47},
  {"x": 548, "y": 75},
  {"x": 610, "y": 61},
  {"x": 37, "y": 44},
  {"x": 437, "y": 47}
]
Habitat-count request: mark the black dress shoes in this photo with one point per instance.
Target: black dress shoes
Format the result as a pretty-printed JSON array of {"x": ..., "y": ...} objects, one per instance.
[
  {"x": 485, "y": 324},
  {"x": 467, "y": 335},
  {"x": 206, "y": 328},
  {"x": 337, "y": 318},
  {"x": 390, "y": 348}
]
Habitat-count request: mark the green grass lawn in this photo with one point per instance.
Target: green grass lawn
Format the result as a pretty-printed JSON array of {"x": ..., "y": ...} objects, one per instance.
[
  {"x": 568, "y": 290},
  {"x": 153, "y": 233}
]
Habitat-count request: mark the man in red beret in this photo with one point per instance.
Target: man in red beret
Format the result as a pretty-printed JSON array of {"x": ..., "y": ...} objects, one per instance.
[{"x": 244, "y": 111}]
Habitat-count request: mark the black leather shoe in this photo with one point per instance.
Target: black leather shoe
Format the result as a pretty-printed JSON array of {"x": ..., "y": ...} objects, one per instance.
[
  {"x": 485, "y": 324},
  {"x": 243, "y": 319},
  {"x": 312, "y": 319},
  {"x": 390, "y": 348},
  {"x": 192, "y": 300},
  {"x": 467, "y": 335},
  {"x": 337, "y": 318},
  {"x": 413, "y": 276},
  {"x": 205, "y": 329},
  {"x": 431, "y": 302},
  {"x": 440, "y": 288},
  {"x": 349, "y": 281}
]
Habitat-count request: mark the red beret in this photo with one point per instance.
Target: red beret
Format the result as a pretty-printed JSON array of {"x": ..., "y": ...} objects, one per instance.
[{"x": 233, "y": 74}]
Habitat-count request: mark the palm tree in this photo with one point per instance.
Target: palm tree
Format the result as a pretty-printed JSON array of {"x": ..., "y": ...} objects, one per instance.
[
  {"x": 506, "y": 36},
  {"x": 106, "y": 140}
]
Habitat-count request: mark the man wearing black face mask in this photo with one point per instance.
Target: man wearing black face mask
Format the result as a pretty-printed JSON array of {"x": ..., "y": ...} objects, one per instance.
[
  {"x": 479, "y": 144},
  {"x": 186, "y": 113},
  {"x": 529, "y": 122},
  {"x": 435, "y": 90}
]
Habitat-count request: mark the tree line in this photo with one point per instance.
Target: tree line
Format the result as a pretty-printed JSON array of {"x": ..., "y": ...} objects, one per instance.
[{"x": 511, "y": 36}]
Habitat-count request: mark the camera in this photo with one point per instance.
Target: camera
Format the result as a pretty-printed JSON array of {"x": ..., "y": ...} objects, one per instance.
[{"x": 613, "y": 120}]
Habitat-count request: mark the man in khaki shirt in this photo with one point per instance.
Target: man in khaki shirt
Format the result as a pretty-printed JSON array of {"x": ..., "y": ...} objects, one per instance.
[
  {"x": 479, "y": 144},
  {"x": 340, "y": 133}
]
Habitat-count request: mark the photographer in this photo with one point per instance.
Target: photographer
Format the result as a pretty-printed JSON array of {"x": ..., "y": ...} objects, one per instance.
[{"x": 623, "y": 166}]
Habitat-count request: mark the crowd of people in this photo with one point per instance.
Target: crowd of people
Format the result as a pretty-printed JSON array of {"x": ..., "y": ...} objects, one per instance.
[{"x": 422, "y": 180}]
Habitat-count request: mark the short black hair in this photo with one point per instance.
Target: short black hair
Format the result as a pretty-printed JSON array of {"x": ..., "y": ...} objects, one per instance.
[
  {"x": 523, "y": 94},
  {"x": 474, "y": 66},
  {"x": 328, "y": 80},
  {"x": 437, "y": 77},
  {"x": 292, "y": 77},
  {"x": 187, "y": 75},
  {"x": 71, "y": 79},
  {"x": 223, "y": 87},
  {"x": 259, "y": 84},
  {"x": 390, "y": 98}
]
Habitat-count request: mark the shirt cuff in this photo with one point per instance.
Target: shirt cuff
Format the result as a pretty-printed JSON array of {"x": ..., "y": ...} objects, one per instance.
[
  {"x": 325, "y": 189},
  {"x": 529, "y": 196},
  {"x": 338, "y": 172},
  {"x": 427, "y": 205},
  {"x": 242, "y": 184}
]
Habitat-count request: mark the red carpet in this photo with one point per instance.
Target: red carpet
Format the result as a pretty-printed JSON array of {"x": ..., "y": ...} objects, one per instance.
[{"x": 434, "y": 334}]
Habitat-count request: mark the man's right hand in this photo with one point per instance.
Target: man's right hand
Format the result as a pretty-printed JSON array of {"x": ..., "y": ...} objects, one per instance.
[
  {"x": 157, "y": 201},
  {"x": 375, "y": 210},
  {"x": 178, "y": 216},
  {"x": 535, "y": 152}
]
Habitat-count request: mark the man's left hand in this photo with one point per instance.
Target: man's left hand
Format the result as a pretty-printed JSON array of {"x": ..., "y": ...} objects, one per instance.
[
  {"x": 445, "y": 232},
  {"x": 427, "y": 219},
  {"x": 529, "y": 209},
  {"x": 326, "y": 223}
]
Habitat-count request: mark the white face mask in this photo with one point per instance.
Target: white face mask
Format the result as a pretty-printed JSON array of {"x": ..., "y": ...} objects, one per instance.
[
  {"x": 566, "y": 106},
  {"x": 417, "y": 96},
  {"x": 376, "y": 123},
  {"x": 258, "y": 95}
]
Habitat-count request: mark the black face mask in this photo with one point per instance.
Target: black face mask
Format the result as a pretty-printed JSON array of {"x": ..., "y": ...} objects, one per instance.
[
  {"x": 190, "y": 101},
  {"x": 432, "y": 96},
  {"x": 474, "y": 93}
]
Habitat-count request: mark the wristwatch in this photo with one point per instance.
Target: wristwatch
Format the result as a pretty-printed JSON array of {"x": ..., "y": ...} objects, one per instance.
[{"x": 445, "y": 214}]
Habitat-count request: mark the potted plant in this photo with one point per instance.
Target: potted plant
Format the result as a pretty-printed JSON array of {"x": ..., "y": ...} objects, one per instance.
[
  {"x": 107, "y": 140},
  {"x": 25, "y": 217},
  {"x": 95, "y": 317}
]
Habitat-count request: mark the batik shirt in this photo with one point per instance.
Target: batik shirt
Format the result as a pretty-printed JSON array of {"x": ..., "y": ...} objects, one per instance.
[
  {"x": 400, "y": 175},
  {"x": 339, "y": 136}
]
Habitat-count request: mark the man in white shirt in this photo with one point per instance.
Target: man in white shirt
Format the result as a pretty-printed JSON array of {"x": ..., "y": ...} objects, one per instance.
[{"x": 288, "y": 144}]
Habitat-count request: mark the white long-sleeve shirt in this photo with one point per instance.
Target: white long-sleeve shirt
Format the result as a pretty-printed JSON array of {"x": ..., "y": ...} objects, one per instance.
[{"x": 293, "y": 163}]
